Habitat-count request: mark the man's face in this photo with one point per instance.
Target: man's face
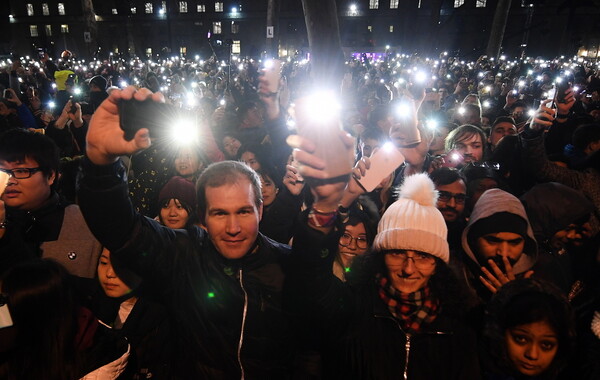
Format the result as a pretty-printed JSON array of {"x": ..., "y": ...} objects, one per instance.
[
  {"x": 451, "y": 201},
  {"x": 232, "y": 218},
  {"x": 572, "y": 236},
  {"x": 29, "y": 193},
  {"x": 498, "y": 245},
  {"x": 253, "y": 117},
  {"x": 500, "y": 130},
  {"x": 518, "y": 114},
  {"x": 470, "y": 147}
]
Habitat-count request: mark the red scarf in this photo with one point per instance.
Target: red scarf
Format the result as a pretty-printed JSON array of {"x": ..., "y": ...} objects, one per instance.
[{"x": 411, "y": 309}]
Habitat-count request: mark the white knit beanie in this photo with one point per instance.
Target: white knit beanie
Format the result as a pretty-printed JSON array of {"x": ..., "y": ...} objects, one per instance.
[{"x": 413, "y": 222}]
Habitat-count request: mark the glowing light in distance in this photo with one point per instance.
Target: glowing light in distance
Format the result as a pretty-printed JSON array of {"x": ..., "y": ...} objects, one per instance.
[
  {"x": 403, "y": 110},
  {"x": 123, "y": 84},
  {"x": 388, "y": 147},
  {"x": 222, "y": 102},
  {"x": 531, "y": 112},
  {"x": 432, "y": 124},
  {"x": 194, "y": 84},
  {"x": 420, "y": 77},
  {"x": 51, "y": 104},
  {"x": 521, "y": 83},
  {"x": 462, "y": 110},
  {"x": 353, "y": 7},
  {"x": 487, "y": 104},
  {"x": 77, "y": 91}
]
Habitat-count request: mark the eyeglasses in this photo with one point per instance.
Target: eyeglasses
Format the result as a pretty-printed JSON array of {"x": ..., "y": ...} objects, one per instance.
[
  {"x": 346, "y": 240},
  {"x": 422, "y": 260},
  {"x": 445, "y": 196},
  {"x": 21, "y": 173}
]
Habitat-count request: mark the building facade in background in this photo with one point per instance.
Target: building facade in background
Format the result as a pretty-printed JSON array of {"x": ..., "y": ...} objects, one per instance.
[{"x": 154, "y": 29}]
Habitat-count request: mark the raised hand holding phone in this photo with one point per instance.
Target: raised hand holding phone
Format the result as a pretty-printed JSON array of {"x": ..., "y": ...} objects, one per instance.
[
  {"x": 105, "y": 139},
  {"x": 383, "y": 162}
]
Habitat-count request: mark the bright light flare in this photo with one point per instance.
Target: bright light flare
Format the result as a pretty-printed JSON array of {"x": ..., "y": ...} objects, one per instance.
[
  {"x": 184, "y": 132},
  {"x": 77, "y": 91},
  {"x": 432, "y": 124},
  {"x": 323, "y": 106}
]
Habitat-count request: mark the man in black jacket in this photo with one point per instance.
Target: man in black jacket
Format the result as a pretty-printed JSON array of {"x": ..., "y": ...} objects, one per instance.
[{"x": 222, "y": 284}]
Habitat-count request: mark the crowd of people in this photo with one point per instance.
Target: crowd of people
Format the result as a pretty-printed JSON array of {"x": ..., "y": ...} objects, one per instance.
[{"x": 232, "y": 233}]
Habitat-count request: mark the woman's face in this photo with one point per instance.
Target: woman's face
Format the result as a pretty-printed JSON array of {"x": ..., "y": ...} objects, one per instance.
[
  {"x": 187, "y": 163},
  {"x": 352, "y": 243},
  {"x": 531, "y": 347},
  {"x": 231, "y": 146},
  {"x": 269, "y": 190},
  {"x": 110, "y": 282},
  {"x": 249, "y": 159},
  {"x": 173, "y": 215}
]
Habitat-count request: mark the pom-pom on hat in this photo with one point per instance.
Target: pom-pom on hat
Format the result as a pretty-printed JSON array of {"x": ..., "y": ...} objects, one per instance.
[{"x": 413, "y": 222}]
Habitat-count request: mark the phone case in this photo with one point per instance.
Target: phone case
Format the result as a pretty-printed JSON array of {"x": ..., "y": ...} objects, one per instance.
[{"x": 383, "y": 162}]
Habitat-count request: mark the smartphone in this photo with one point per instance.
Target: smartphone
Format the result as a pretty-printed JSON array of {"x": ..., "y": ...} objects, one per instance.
[
  {"x": 318, "y": 119},
  {"x": 41, "y": 52},
  {"x": 7, "y": 94},
  {"x": 561, "y": 89},
  {"x": 73, "y": 108},
  {"x": 3, "y": 181},
  {"x": 135, "y": 115},
  {"x": 273, "y": 74},
  {"x": 453, "y": 159},
  {"x": 383, "y": 163}
]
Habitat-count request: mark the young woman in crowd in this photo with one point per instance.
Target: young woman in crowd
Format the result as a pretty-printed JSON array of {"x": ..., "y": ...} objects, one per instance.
[
  {"x": 529, "y": 332},
  {"x": 177, "y": 201}
]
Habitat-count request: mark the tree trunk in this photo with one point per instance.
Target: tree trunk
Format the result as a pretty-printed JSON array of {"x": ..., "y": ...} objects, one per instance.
[
  {"x": 89, "y": 22},
  {"x": 326, "y": 56},
  {"x": 273, "y": 8},
  {"x": 498, "y": 27}
]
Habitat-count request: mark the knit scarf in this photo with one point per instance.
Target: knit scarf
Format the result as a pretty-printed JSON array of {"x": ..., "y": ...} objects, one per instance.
[{"x": 411, "y": 309}]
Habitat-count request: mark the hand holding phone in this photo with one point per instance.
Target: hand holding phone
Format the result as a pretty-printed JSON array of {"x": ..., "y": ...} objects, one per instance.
[
  {"x": 135, "y": 115},
  {"x": 273, "y": 75},
  {"x": 383, "y": 163}
]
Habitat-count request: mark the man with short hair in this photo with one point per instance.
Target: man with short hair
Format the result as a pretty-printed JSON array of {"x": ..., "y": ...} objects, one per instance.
[
  {"x": 222, "y": 284},
  {"x": 34, "y": 221},
  {"x": 452, "y": 190},
  {"x": 501, "y": 127}
]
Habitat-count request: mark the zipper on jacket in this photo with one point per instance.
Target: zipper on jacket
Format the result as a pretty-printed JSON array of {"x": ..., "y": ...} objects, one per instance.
[
  {"x": 241, "y": 342},
  {"x": 407, "y": 349}
]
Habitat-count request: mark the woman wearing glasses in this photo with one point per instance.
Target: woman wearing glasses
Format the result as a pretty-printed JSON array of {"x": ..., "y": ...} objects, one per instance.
[
  {"x": 359, "y": 232},
  {"x": 399, "y": 313}
]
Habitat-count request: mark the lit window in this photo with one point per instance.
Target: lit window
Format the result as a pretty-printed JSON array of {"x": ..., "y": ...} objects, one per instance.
[
  {"x": 217, "y": 27},
  {"x": 148, "y": 8},
  {"x": 373, "y": 4},
  {"x": 61, "y": 9},
  {"x": 45, "y": 9},
  {"x": 480, "y": 3},
  {"x": 391, "y": 28},
  {"x": 458, "y": 3},
  {"x": 114, "y": 11},
  {"x": 201, "y": 8},
  {"x": 163, "y": 6},
  {"x": 218, "y": 6},
  {"x": 33, "y": 30},
  {"x": 182, "y": 50},
  {"x": 133, "y": 10},
  {"x": 393, "y": 4},
  {"x": 183, "y": 7},
  {"x": 370, "y": 28},
  {"x": 49, "y": 30},
  {"x": 235, "y": 28},
  {"x": 236, "y": 47},
  {"x": 148, "y": 52},
  {"x": 64, "y": 28},
  {"x": 29, "y": 9}
]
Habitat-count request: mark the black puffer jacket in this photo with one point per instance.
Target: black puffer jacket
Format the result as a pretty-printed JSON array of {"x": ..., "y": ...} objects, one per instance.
[{"x": 226, "y": 315}]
